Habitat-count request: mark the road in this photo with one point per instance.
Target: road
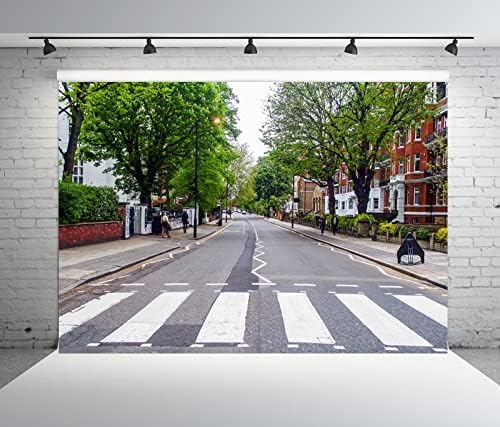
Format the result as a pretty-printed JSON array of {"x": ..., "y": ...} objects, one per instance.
[{"x": 254, "y": 287}]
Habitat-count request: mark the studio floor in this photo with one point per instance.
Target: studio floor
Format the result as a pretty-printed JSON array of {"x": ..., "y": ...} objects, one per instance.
[{"x": 248, "y": 390}]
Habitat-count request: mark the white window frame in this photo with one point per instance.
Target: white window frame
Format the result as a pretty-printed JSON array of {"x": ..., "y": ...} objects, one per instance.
[
  {"x": 415, "y": 159},
  {"x": 77, "y": 177},
  {"x": 419, "y": 129},
  {"x": 401, "y": 167},
  {"x": 376, "y": 205},
  {"x": 416, "y": 192},
  {"x": 408, "y": 163}
]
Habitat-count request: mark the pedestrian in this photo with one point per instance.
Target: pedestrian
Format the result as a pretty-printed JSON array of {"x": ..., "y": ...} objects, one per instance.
[
  {"x": 322, "y": 224},
  {"x": 335, "y": 224},
  {"x": 185, "y": 219},
  {"x": 165, "y": 225}
]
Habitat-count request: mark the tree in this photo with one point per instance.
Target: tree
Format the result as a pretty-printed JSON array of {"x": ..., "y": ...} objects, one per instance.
[
  {"x": 72, "y": 101},
  {"x": 271, "y": 182},
  {"x": 148, "y": 129},
  {"x": 344, "y": 122},
  {"x": 437, "y": 164}
]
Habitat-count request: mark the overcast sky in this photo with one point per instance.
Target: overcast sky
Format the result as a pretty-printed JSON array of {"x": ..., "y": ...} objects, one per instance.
[{"x": 252, "y": 96}]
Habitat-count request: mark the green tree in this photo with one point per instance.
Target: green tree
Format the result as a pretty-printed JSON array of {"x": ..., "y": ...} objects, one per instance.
[
  {"x": 271, "y": 182},
  {"x": 148, "y": 129}
]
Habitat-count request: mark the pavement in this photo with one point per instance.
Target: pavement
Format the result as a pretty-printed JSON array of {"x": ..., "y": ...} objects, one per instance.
[
  {"x": 434, "y": 269},
  {"x": 256, "y": 288},
  {"x": 83, "y": 264}
]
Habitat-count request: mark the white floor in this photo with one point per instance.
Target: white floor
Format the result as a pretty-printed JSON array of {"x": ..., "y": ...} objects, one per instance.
[{"x": 255, "y": 390}]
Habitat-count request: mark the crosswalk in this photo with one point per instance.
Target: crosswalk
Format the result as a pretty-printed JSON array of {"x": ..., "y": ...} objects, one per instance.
[{"x": 303, "y": 319}]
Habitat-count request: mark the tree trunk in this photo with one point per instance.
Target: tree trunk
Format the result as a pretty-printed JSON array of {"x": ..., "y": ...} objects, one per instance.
[
  {"x": 362, "y": 179},
  {"x": 74, "y": 136},
  {"x": 331, "y": 194},
  {"x": 145, "y": 197}
]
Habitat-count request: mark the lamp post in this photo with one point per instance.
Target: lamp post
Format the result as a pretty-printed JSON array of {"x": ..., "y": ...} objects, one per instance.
[
  {"x": 293, "y": 199},
  {"x": 227, "y": 190},
  {"x": 216, "y": 121}
]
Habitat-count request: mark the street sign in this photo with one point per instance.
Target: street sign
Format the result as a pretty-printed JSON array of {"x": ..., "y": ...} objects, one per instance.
[{"x": 410, "y": 248}]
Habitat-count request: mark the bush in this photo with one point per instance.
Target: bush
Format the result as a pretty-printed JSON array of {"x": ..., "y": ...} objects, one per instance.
[
  {"x": 346, "y": 222},
  {"x": 423, "y": 233},
  {"x": 310, "y": 217},
  {"x": 405, "y": 229},
  {"x": 365, "y": 218},
  {"x": 328, "y": 218},
  {"x": 84, "y": 203},
  {"x": 441, "y": 235}
]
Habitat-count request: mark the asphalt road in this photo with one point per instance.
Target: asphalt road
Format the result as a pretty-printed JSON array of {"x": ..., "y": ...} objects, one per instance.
[{"x": 255, "y": 287}]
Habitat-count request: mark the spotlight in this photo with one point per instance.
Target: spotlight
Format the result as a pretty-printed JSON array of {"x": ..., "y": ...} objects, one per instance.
[
  {"x": 149, "y": 48},
  {"x": 452, "y": 47},
  {"x": 351, "y": 48},
  {"x": 250, "y": 48},
  {"x": 48, "y": 48}
]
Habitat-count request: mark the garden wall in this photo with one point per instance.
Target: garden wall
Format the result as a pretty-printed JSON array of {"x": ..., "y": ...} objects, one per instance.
[{"x": 89, "y": 233}]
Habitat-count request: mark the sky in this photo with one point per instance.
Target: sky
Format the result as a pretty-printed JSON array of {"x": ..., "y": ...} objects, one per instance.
[{"x": 252, "y": 96}]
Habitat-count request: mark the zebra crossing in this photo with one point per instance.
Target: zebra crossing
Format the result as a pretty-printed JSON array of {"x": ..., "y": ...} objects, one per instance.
[{"x": 227, "y": 320}]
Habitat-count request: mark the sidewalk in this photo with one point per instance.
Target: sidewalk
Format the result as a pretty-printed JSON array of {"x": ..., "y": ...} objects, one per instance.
[
  {"x": 434, "y": 270},
  {"x": 85, "y": 263}
]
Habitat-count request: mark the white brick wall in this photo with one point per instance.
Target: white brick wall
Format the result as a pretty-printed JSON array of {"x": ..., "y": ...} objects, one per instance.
[{"x": 28, "y": 171}]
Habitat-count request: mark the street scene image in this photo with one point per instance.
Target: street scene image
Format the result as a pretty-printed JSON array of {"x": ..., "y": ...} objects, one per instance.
[{"x": 253, "y": 217}]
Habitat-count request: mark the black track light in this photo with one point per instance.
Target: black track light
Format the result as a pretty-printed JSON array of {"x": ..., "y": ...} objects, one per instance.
[
  {"x": 149, "y": 48},
  {"x": 351, "y": 48},
  {"x": 48, "y": 47},
  {"x": 250, "y": 48},
  {"x": 452, "y": 47}
]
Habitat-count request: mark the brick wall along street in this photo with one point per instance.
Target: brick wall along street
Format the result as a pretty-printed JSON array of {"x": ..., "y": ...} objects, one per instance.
[{"x": 28, "y": 171}]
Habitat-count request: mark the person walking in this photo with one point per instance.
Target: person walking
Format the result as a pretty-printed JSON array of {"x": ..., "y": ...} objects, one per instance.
[
  {"x": 335, "y": 224},
  {"x": 322, "y": 224},
  {"x": 185, "y": 219},
  {"x": 165, "y": 225}
]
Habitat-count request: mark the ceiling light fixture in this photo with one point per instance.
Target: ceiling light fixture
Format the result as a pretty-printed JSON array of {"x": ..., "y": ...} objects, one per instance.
[
  {"x": 351, "y": 48},
  {"x": 149, "y": 48},
  {"x": 250, "y": 48},
  {"x": 48, "y": 47},
  {"x": 452, "y": 47}
]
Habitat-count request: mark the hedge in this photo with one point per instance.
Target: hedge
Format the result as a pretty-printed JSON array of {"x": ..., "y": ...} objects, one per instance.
[{"x": 84, "y": 203}]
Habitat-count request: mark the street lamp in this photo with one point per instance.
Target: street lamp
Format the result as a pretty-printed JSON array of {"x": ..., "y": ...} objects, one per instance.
[
  {"x": 216, "y": 120},
  {"x": 293, "y": 199}
]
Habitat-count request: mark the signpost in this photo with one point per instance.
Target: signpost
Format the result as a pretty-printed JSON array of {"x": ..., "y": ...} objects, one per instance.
[{"x": 410, "y": 248}]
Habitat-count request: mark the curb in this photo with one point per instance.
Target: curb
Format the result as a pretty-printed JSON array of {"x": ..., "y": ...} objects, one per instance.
[
  {"x": 114, "y": 270},
  {"x": 362, "y": 255}
]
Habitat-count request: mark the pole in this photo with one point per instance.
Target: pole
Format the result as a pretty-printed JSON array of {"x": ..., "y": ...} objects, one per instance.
[
  {"x": 227, "y": 190},
  {"x": 195, "y": 222},
  {"x": 293, "y": 198}
]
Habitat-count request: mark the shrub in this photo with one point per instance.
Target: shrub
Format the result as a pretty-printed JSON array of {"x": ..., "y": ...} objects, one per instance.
[
  {"x": 442, "y": 235},
  {"x": 310, "y": 217},
  {"x": 84, "y": 203},
  {"x": 405, "y": 229},
  {"x": 423, "y": 233},
  {"x": 347, "y": 222},
  {"x": 365, "y": 217},
  {"x": 328, "y": 218}
]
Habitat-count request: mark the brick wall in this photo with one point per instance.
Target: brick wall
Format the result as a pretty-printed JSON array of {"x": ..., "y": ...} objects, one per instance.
[
  {"x": 28, "y": 171},
  {"x": 89, "y": 233}
]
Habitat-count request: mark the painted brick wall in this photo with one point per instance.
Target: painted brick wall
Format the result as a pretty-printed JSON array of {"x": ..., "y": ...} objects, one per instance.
[
  {"x": 89, "y": 233},
  {"x": 28, "y": 172}
]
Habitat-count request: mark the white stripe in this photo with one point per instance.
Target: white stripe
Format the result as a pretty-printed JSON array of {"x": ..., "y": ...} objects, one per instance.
[
  {"x": 305, "y": 284},
  {"x": 390, "y": 287},
  {"x": 225, "y": 322},
  {"x": 82, "y": 314},
  {"x": 215, "y": 284},
  {"x": 132, "y": 284},
  {"x": 385, "y": 327},
  {"x": 301, "y": 320},
  {"x": 347, "y": 286},
  {"x": 176, "y": 284},
  {"x": 264, "y": 284},
  {"x": 426, "y": 306},
  {"x": 145, "y": 323}
]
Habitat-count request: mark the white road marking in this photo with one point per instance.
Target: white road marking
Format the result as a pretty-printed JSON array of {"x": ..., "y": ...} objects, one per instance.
[
  {"x": 390, "y": 287},
  {"x": 391, "y": 349},
  {"x": 426, "y": 306},
  {"x": 132, "y": 284},
  {"x": 444, "y": 295},
  {"x": 89, "y": 310},
  {"x": 176, "y": 284},
  {"x": 264, "y": 284},
  {"x": 293, "y": 346},
  {"x": 146, "y": 345},
  {"x": 347, "y": 286},
  {"x": 302, "y": 322},
  {"x": 145, "y": 323},
  {"x": 197, "y": 345},
  {"x": 339, "y": 347},
  {"x": 389, "y": 330},
  {"x": 242, "y": 345},
  {"x": 440, "y": 350},
  {"x": 93, "y": 344},
  {"x": 311, "y": 285},
  {"x": 225, "y": 322},
  {"x": 215, "y": 284},
  {"x": 332, "y": 292}
]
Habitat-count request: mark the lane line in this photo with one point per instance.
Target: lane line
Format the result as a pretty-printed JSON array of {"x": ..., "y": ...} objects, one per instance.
[
  {"x": 264, "y": 284},
  {"x": 225, "y": 322},
  {"x": 311, "y": 285},
  {"x": 426, "y": 306},
  {"x": 390, "y": 287},
  {"x": 132, "y": 284},
  {"x": 145, "y": 323},
  {"x": 215, "y": 284},
  {"x": 302, "y": 322},
  {"x": 89, "y": 310},
  {"x": 389, "y": 330},
  {"x": 176, "y": 284},
  {"x": 347, "y": 286}
]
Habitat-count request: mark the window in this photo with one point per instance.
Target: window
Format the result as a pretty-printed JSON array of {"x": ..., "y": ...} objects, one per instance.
[
  {"x": 408, "y": 163},
  {"x": 408, "y": 136},
  {"x": 78, "y": 172},
  {"x": 399, "y": 139},
  {"x": 375, "y": 203},
  {"x": 418, "y": 133},
  {"x": 401, "y": 167},
  {"x": 351, "y": 203},
  {"x": 343, "y": 204},
  {"x": 416, "y": 195},
  {"x": 416, "y": 163},
  {"x": 336, "y": 204}
]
